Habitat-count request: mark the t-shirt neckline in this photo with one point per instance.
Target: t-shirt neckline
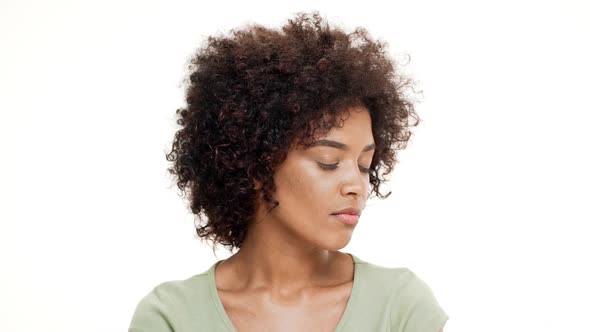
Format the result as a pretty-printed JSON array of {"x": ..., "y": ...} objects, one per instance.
[{"x": 228, "y": 323}]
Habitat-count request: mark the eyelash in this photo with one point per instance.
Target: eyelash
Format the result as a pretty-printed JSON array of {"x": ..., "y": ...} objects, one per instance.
[{"x": 331, "y": 167}]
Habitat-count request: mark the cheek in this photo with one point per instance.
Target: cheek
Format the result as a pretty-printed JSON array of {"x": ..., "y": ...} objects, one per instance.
[
  {"x": 307, "y": 191},
  {"x": 314, "y": 193}
]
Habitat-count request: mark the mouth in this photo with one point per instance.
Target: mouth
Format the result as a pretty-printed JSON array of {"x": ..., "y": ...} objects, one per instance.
[
  {"x": 350, "y": 210},
  {"x": 347, "y": 218}
]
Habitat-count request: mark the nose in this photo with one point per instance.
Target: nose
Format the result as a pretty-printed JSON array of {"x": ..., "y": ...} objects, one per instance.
[{"x": 355, "y": 182}]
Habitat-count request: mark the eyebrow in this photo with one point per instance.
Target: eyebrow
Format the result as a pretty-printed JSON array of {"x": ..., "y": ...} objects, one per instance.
[{"x": 338, "y": 145}]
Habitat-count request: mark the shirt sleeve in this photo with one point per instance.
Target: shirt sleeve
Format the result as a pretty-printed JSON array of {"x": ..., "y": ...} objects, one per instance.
[
  {"x": 150, "y": 314},
  {"x": 422, "y": 311}
]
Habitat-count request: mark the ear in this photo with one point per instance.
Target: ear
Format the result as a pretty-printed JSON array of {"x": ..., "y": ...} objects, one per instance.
[{"x": 257, "y": 184}]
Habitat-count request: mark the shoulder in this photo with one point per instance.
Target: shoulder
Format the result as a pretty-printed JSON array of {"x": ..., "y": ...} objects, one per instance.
[
  {"x": 411, "y": 303},
  {"x": 418, "y": 309},
  {"x": 389, "y": 280},
  {"x": 168, "y": 304}
]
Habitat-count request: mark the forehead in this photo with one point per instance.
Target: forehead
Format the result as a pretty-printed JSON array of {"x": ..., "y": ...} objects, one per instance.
[
  {"x": 352, "y": 129},
  {"x": 357, "y": 120}
]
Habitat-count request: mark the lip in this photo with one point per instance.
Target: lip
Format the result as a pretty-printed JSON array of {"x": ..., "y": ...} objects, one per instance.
[
  {"x": 348, "y": 211},
  {"x": 345, "y": 218}
]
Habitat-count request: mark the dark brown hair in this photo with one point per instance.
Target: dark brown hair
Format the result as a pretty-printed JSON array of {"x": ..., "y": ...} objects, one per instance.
[{"x": 252, "y": 93}]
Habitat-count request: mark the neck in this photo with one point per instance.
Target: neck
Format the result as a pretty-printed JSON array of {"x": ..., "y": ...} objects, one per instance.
[{"x": 269, "y": 259}]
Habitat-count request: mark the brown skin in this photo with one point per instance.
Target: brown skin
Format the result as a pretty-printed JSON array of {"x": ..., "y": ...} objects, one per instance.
[{"x": 289, "y": 274}]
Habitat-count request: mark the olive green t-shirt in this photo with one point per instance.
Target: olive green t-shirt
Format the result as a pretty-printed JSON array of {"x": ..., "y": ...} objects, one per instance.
[{"x": 382, "y": 299}]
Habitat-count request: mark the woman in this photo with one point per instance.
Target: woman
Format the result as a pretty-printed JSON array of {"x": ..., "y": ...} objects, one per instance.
[{"x": 284, "y": 137}]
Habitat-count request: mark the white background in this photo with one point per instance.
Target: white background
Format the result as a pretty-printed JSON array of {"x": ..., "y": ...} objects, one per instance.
[{"x": 489, "y": 203}]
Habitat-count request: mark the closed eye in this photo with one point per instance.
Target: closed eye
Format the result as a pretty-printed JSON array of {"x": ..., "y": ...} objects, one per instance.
[{"x": 334, "y": 166}]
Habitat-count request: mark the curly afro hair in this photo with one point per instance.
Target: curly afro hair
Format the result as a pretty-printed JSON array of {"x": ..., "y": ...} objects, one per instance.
[{"x": 253, "y": 93}]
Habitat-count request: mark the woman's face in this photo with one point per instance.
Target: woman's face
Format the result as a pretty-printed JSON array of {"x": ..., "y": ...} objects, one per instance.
[{"x": 315, "y": 182}]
